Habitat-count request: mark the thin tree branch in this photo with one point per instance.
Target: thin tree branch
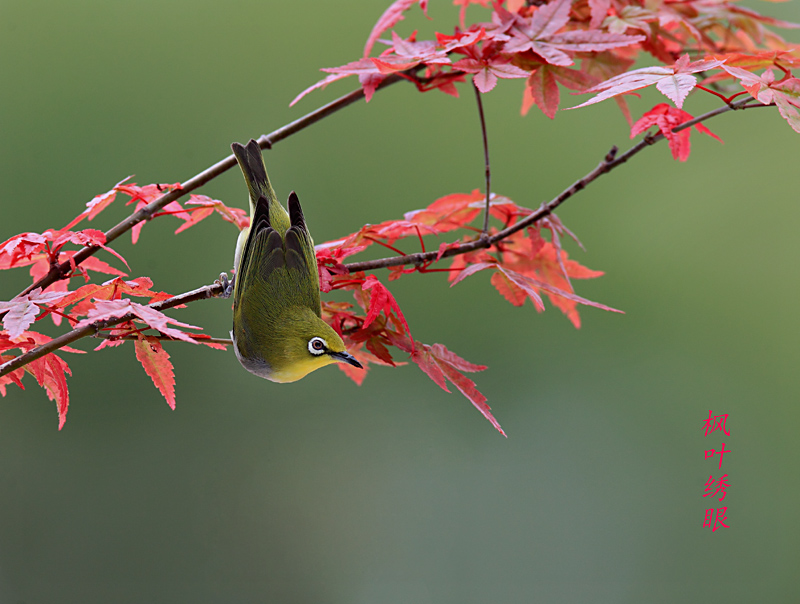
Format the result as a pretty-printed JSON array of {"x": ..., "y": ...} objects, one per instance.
[
  {"x": 487, "y": 168},
  {"x": 265, "y": 141},
  {"x": 609, "y": 162},
  {"x": 112, "y": 338},
  {"x": 201, "y": 293}
]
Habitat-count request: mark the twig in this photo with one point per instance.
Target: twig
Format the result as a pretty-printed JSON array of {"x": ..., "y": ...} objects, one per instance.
[
  {"x": 201, "y": 293},
  {"x": 609, "y": 162},
  {"x": 113, "y": 338},
  {"x": 488, "y": 170}
]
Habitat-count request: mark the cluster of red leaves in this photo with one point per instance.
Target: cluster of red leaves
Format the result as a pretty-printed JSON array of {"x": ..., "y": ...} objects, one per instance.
[
  {"x": 93, "y": 303},
  {"x": 524, "y": 265},
  {"x": 587, "y": 46}
]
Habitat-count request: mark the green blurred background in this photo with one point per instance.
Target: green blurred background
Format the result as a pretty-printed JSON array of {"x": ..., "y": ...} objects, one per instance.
[{"x": 396, "y": 491}]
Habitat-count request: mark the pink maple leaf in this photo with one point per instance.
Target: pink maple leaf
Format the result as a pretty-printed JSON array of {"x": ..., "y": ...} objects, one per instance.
[{"x": 675, "y": 81}]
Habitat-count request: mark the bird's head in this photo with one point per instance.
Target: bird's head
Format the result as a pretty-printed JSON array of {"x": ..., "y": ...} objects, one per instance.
[{"x": 307, "y": 344}]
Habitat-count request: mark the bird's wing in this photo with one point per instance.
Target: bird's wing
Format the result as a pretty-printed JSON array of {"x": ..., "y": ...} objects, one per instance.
[
  {"x": 286, "y": 264},
  {"x": 263, "y": 251},
  {"x": 299, "y": 245}
]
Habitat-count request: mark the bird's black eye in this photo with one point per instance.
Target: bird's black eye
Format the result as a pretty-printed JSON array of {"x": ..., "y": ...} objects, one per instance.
[{"x": 317, "y": 346}]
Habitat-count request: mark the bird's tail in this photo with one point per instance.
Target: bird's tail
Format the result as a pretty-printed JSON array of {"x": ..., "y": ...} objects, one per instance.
[{"x": 255, "y": 172}]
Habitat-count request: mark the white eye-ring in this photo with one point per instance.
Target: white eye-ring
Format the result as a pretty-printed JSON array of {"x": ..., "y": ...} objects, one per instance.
[{"x": 317, "y": 346}]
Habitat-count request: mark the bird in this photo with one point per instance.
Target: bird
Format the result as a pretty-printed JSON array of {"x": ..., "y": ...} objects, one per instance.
[{"x": 278, "y": 332}]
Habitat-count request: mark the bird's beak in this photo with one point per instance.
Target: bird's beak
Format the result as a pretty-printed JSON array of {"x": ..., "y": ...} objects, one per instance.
[{"x": 344, "y": 357}]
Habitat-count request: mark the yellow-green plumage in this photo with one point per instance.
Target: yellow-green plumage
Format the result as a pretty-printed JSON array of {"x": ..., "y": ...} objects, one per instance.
[{"x": 277, "y": 330}]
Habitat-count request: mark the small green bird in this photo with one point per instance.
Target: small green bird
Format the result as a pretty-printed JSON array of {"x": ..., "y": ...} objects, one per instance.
[{"x": 278, "y": 332}]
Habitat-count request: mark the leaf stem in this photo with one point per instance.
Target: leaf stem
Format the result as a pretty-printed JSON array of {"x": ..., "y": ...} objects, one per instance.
[
  {"x": 226, "y": 341},
  {"x": 487, "y": 168}
]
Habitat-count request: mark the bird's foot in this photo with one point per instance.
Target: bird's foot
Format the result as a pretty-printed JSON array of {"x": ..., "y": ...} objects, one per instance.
[{"x": 227, "y": 286}]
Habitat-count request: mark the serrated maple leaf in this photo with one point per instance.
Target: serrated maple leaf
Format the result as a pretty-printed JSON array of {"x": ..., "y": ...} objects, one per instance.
[
  {"x": 440, "y": 364},
  {"x": 156, "y": 363},
  {"x": 86, "y": 237},
  {"x": 541, "y": 87},
  {"x": 97, "y": 204},
  {"x": 105, "y": 310},
  {"x": 365, "y": 353},
  {"x": 208, "y": 206},
  {"x": 390, "y": 17},
  {"x": 145, "y": 195},
  {"x": 406, "y": 53},
  {"x": 449, "y": 212},
  {"x": 382, "y": 300},
  {"x": 25, "y": 249},
  {"x": 675, "y": 81},
  {"x": 41, "y": 267},
  {"x": 785, "y": 93},
  {"x": 539, "y": 34},
  {"x": 630, "y": 17},
  {"x": 598, "y": 10},
  {"x": 369, "y": 76},
  {"x": 667, "y": 118},
  {"x": 21, "y": 311},
  {"x": 51, "y": 371},
  {"x": 319, "y": 85},
  {"x": 487, "y": 65},
  {"x": 602, "y": 66},
  {"x": 524, "y": 273},
  {"x": 20, "y": 249},
  {"x": 201, "y": 338},
  {"x": 100, "y": 202},
  {"x": 13, "y": 377},
  {"x": 110, "y": 290}
]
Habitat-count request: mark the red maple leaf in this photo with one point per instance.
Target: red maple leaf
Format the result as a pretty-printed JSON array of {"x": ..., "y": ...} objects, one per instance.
[
  {"x": 320, "y": 85},
  {"x": 666, "y": 118},
  {"x": 110, "y": 290},
  {"x": 208, "y": 206},
  {"x": 156, "y": 363},
  {"x": 541, "y": 87},
  {"x": 539, "y": 34},
  {"x": 449, "y": 212},
  {"x": 488, "y": 64},
  {"x": 51, "y": 373},
  {"x": 145, "y": 195},
  {"x": 382, "y": 300},
  {"x": 440, "y": 364},
  {"x": 41, "y": 267},
  {"x": 390, "y": 17},
  {"x": 25, "y": 249},
  {"x": 406, "y": 53},
  {"x": 97, "y": 204},
  {"x": 105, "y": 310}
]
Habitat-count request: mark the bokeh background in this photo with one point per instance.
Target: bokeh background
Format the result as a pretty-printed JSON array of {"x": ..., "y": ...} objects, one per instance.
[{"x": 396, "y": 491}]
